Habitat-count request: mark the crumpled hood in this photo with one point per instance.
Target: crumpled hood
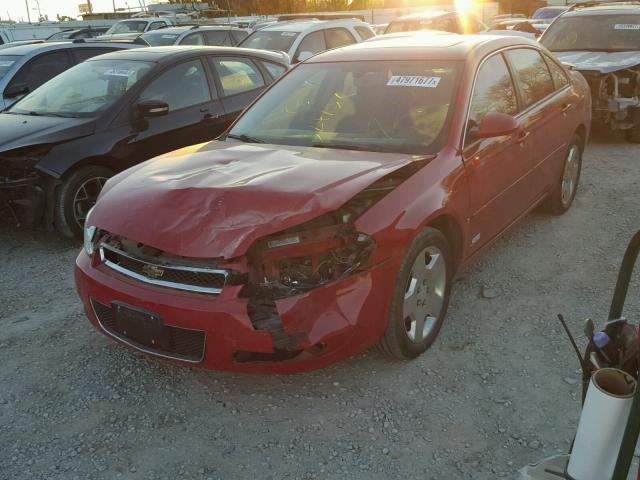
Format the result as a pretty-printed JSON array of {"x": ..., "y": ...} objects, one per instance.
[
  {"x": 214, "y": 200},
  {"x": 18, "y": 131},
  {"x": 603, "y": 62}
]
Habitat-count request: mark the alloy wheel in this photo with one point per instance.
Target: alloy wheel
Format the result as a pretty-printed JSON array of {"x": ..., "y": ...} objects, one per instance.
[
  {"x": 570, "y": 174},
  {"x": 86, "y": 197}
]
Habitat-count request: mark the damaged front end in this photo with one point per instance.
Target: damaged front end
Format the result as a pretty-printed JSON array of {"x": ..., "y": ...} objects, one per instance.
[
  {"x": 616, "y": 97},
  {"x": 23, "y": 190}
]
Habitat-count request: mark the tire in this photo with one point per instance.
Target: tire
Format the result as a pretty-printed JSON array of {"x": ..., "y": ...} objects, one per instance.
[
  {"x": 403, "y": 339},
  {"x": 70, "y": 206},
  {"x": 564, "y": 192},
  {"x": 633, "y": 134}
]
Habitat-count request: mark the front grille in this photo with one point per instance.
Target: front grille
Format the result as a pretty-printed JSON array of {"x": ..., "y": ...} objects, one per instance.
[
  {"x": 181, "y": 277},
  {"x": 180, "y": 343}
]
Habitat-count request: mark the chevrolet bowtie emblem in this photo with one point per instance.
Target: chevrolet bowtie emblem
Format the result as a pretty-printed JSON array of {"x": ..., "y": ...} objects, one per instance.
[{"x": 152, "y": 271}]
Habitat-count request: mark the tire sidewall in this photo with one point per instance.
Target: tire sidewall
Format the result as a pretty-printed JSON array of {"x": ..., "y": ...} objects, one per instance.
[
  {"x": 396, "y": 331},
  {"x": 557, "y": 205}
]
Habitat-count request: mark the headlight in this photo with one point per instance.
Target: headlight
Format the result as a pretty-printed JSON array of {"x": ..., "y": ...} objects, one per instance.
[{"x": 89, "y": 235}]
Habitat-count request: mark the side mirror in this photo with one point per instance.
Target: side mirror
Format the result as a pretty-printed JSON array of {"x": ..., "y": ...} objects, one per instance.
[
  {"x": 302, "y": 56},
  {"x": 152, "y": 108},
  {"x": 496, "y": 124},
  {"x": 16, "y": 89}
]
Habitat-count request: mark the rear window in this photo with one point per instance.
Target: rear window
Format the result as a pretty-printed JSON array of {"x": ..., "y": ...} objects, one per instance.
[
  {"x": 6, "y": 63},
  {"x": 159, "y": 39},
  {"x": 274, "y": 41}
]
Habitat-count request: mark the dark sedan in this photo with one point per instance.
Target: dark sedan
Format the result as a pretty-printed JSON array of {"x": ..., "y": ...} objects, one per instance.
[{"x": 60, "y": 144}]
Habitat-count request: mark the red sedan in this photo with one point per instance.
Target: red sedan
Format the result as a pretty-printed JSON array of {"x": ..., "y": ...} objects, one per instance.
[{"x": 335, "y": 212}]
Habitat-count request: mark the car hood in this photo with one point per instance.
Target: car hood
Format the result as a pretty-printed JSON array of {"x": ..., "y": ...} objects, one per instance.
[
  {"x": 603, "y": 62},
  {"x": 214, "y": 200},
  {"x": 17, "y": 131}
]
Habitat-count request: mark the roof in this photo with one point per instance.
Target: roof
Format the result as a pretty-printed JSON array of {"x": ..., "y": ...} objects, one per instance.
[
  {"x": 175, "y": 52},
  {"x": 186, "y": 28},
  {"x": 34, "y": 48},
  {"x": 303, "y": 25},
  {"x": 421, "y": 46},
  {"x": 607, "y": 9}
]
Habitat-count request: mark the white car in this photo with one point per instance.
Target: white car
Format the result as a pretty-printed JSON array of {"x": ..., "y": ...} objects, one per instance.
[
  {"x": 301, "y": 39},
  {"x": 133, "y": 28}
]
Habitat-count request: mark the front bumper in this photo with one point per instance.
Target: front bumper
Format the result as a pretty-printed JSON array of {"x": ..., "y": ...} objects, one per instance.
[{"x": 329, "y": 323}]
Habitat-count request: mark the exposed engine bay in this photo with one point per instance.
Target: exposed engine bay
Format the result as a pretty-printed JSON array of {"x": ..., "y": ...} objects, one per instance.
[{"x": 616, "y": 96}]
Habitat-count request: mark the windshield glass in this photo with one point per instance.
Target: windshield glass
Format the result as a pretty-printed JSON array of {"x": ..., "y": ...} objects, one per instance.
[
  {"x": 274, "y": 41},
  {"x": 159, "y": 39},
  {"x": 400, "y": 106},
  {"x": 85, "y": 89},
  {"x": 593, "y": 32},
  {"x": 134, "y": 26},
  {"x": 6, "y": 62}
]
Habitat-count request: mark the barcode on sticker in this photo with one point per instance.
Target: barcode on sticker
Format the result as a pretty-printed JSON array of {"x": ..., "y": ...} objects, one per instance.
[
  {"x": 413, "y": 81},
  {"x": 288, "y": 34},
  {"x": 626, "y": 26},
  {"x": 119, "y": 72}
]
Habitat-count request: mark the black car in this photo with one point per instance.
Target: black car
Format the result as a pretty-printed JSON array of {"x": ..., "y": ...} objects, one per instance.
[
  {"x": 88, "y": 32},
  {"x": 60, "y": 143}
]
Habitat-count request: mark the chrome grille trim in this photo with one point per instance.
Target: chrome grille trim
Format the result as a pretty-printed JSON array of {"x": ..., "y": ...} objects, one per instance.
[{"x": 157, "y": 282}]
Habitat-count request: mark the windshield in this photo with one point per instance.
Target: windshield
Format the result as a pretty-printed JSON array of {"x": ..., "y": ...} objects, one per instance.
[
  {"x": 593, "y": 32},
  {"x": 85, "y": 89},
  {"x": 400, "y": 106},
  {"x": 159, "y": 39},
  {"x": 6, "y": 62},
  {"x": 274, "y": 41},
  {"x": 135, "y": 26}
]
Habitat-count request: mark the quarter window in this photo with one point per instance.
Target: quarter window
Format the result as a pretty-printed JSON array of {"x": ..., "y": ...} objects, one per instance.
[
  {"x": 274, "y": 69},
  {"x": 338, "y": 37},
  {"x": 557, "y": 72},
  {"x": 531, "y": 74},
  {"x": 237, "y": 75},
  {"x": 493, "y": 92},
  {"x": 157, "y": 25},
  {"x": 180, "y": 87},
  {"x": 365, "y": 33}
]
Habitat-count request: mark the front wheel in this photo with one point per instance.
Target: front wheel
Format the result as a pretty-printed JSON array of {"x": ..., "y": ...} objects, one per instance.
[
  {"x": 420, "y": 297},
  {"x": 75, "y": 197},
  {"x": 565, "y": 190}
]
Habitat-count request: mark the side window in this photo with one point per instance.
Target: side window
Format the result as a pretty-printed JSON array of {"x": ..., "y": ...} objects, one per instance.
[
  {"x": 447, "y": 24},
  {"x": 215, "y": 37},
  {"x": 193, "y": 39},
  {"x": 338, "y": 37},
  {"x": 156, "y": 26},
  {"x": 237, "y": 36},
  {"x": 531, "y": 73},
  {"x": 312, "y": 43},
  {"x": 82, "y": 54},
  {"x": 274, "y": 69},
  {"x": 493, "y": 92},
  {"x": 364, "y": 32},
  {"x": 237, "y": 75},
  {"x": 560, "y": 78},
  {"x": 42, "y": 69},
  {"x": 182, "y": 86}
]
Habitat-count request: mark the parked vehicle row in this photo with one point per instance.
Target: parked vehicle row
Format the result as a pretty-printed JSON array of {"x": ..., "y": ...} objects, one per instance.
[{"x": 335, "y": 211}]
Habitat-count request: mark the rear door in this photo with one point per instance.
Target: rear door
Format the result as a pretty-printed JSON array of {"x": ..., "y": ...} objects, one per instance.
[
  {"x": 194, "y": 111},
  {"x": 542, "y": 114},
  {"x": 497, "y": 168},
  {"x": 239, "y": 81}
]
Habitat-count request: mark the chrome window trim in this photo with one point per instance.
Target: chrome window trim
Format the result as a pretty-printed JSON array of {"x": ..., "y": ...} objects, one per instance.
[
  {"x": 462, "y": 148},
  {"x": 144, "y": 349},
  {"x": 161, "y": 283}
]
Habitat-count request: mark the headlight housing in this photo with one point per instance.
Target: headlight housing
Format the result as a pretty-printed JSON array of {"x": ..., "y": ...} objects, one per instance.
[{"x": 89, "y": 235}]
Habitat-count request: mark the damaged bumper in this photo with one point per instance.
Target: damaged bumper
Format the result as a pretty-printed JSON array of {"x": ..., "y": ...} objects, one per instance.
[
  {"x": 616, "y": 97},
  {"x": 22, "y": 189},
  {"x": 315, "y": 328}
]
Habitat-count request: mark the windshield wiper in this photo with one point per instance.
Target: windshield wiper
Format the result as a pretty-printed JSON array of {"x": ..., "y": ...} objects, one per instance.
[
  {"x": 342, "y": 146},
  {"x": 244, "y": 138}
]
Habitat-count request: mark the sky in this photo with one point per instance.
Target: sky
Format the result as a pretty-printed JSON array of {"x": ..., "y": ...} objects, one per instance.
[{"x": 16, "y": 9}]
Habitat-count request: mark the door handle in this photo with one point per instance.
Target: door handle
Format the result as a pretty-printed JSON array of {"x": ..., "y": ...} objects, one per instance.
[
  {"x": 210, "y": 118},
  {"x": 523, "y": 136},
  {"x": 566, "y": 107}
]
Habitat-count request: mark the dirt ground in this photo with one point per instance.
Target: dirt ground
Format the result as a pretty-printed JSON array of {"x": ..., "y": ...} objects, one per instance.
[{"x": 499, "y": 389}]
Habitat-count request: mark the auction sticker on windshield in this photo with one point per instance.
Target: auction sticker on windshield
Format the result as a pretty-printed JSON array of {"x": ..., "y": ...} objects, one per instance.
[
  {"x": 119, "y": 72},
  {"x": 413, "y": 81},
  {"x": 626, "y": 26}
]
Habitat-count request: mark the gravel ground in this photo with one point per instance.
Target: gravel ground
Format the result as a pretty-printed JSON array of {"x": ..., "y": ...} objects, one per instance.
[{"x": 499, "y": 389}]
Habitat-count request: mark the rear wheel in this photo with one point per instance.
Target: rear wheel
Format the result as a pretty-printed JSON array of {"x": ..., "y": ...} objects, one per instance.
[
  {"x": 565, "y": 190},
  {"x": 420, "y": 297},
  {"x": 76, "y": 196}
]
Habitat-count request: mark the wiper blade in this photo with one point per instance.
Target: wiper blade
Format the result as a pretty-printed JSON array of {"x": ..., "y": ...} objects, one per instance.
[
  {"x": 341, "y": 146},
  {"x": 244, "y": 138}
]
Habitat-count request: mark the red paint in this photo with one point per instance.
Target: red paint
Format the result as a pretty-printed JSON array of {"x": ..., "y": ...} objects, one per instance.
[{"x": 216, "y": 200}]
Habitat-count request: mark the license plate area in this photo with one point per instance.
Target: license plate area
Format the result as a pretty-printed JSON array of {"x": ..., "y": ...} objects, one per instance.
[{"x": 142, "y": 326}]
